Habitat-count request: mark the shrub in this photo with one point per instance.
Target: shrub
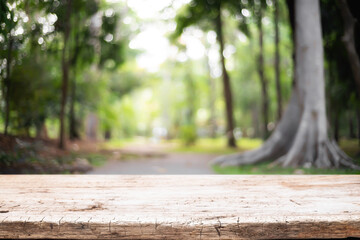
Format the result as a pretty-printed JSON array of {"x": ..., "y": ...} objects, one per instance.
[{"x": 188, "y": 134}]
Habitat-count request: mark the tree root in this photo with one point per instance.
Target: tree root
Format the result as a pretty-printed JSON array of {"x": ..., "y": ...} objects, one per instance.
[
  {"x": 333, "y": 157},
  {"x": 300, "y": 140}
]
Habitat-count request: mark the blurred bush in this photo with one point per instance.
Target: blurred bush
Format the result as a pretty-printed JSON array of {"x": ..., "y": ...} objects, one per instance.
[{"x": 188, "y": 134}]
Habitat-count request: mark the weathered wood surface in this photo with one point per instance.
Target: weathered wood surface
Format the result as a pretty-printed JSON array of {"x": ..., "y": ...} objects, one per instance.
[{"x": 179, "y": 207}]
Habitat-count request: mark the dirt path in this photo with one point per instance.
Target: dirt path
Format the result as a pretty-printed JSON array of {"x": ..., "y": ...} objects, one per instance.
[{"x": 159, "y": 163}]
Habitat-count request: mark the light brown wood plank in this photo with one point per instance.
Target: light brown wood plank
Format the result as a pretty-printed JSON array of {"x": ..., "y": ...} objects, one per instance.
[{"x": 179, "y": 207}]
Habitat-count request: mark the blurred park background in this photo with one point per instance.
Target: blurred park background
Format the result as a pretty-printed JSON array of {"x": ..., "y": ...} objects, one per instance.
[{"x": 122, "y": 86}]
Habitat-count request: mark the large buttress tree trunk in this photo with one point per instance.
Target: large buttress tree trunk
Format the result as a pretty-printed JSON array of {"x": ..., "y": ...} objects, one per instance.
[
  {"x": 301, "y": 138},
  {"x": 226, "y": 82}
]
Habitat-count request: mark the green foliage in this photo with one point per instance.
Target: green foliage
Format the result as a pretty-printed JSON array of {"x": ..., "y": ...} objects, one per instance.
[
  {"x": 32, "y": 35},
  {"x": 340, "y": 84},
  {"x": 3, "y": 12},
  {"x": 7, "y": 159},
  {"x": 33, "y": 95},
  {"x": 197, "y": 12},
  {"x": 188, "y": 134},
  {"x": 204, "y": 13},
  {"x": 112, "y": 49}
]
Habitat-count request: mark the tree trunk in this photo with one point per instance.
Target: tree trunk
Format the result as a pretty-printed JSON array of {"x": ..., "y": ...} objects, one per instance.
[
  {"x": 73, "y": 128},
  {"x": 7, "y": 85},
  {"x": 64, "y": 88},
  {"x": 212, "y": 100},
  {"x": 263, "y": 81},
  {"x": 349, "y": 41},
  {"x": 255, "y": 121},
  {"x": 226, "y": 81},
  {"x": 65, "y": 76},
  {"x": 336, "y": 126},
  {"x": 73, "y": 124},
  {"x": 358, "y": 124},
  {"x": 291, "y": 11},
  {"x": 300, "y": 138},
  {"x": 352, "y": 132},
  {"x": 107, "y": 134},
  {"x": 190, "y": 98},
  {"x": 277, "y": 61},
  {"x": 41, "y": 130}
]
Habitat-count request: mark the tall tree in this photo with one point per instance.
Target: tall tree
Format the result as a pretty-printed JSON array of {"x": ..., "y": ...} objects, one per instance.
[
  {"x": 65, "y": 62},
  {"x": 7, "y": 81},
  {"x": 342, "y": 96},
  {"x": 277, "y": 60},
  {"x": 29, "y": 88},
  {"x": 301, "y": 138},
  {"x": 81, "y": 53},
  {"x": 263, "y": 80},
  {"x": 6, "y": 30},
  {"x": 358, "y": 124},
  {"x": 349, "y": 41},
  {"x": 199, "y": 12},
  {"x": 212, "y": 97},
  {"x": 226, "y": 81}
]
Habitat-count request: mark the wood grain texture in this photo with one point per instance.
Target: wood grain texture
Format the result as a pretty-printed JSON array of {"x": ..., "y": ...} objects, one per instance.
[{"x": 179, "y": 207}]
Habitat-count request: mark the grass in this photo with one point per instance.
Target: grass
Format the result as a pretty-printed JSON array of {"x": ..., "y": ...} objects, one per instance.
[
  {"x": 214, "y": 146},
  {"x": 202, "y": 145},
  {"x": 351, "y": 147},
  {"x": 95, "y": 159}
]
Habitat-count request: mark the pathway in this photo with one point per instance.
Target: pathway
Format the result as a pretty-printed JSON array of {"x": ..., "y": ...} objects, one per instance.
[
  {"x": 172, "y": 163},
  {"x": 155, "y": 161}
]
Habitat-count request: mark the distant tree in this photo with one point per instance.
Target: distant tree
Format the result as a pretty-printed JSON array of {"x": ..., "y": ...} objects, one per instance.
[
  {"x": 277, "y": 61},
  {"x": 31, "y": 92},
  {"x": 301, "y": 137},
  {"x": 341, "y": 88},
  {"x": 82, "y": 53},
  {"x": 212, "y": 97},
  {"x": 34, "y": 99},
  {"x": 83, "y": 45},
  {"x": 349, "y": 41},
  {"x": 258, "y": 9},
  {"x": 64, "y": 13},
  {"x": 208, "y": 15},
  {"x": 7, "y": 27},
  {"x": 350, "y": 20},
  {"x": 113, "y": 54}
]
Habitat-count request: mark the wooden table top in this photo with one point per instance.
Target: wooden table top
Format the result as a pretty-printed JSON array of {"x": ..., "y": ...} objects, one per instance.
[{"x": 179, "y": 207}]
